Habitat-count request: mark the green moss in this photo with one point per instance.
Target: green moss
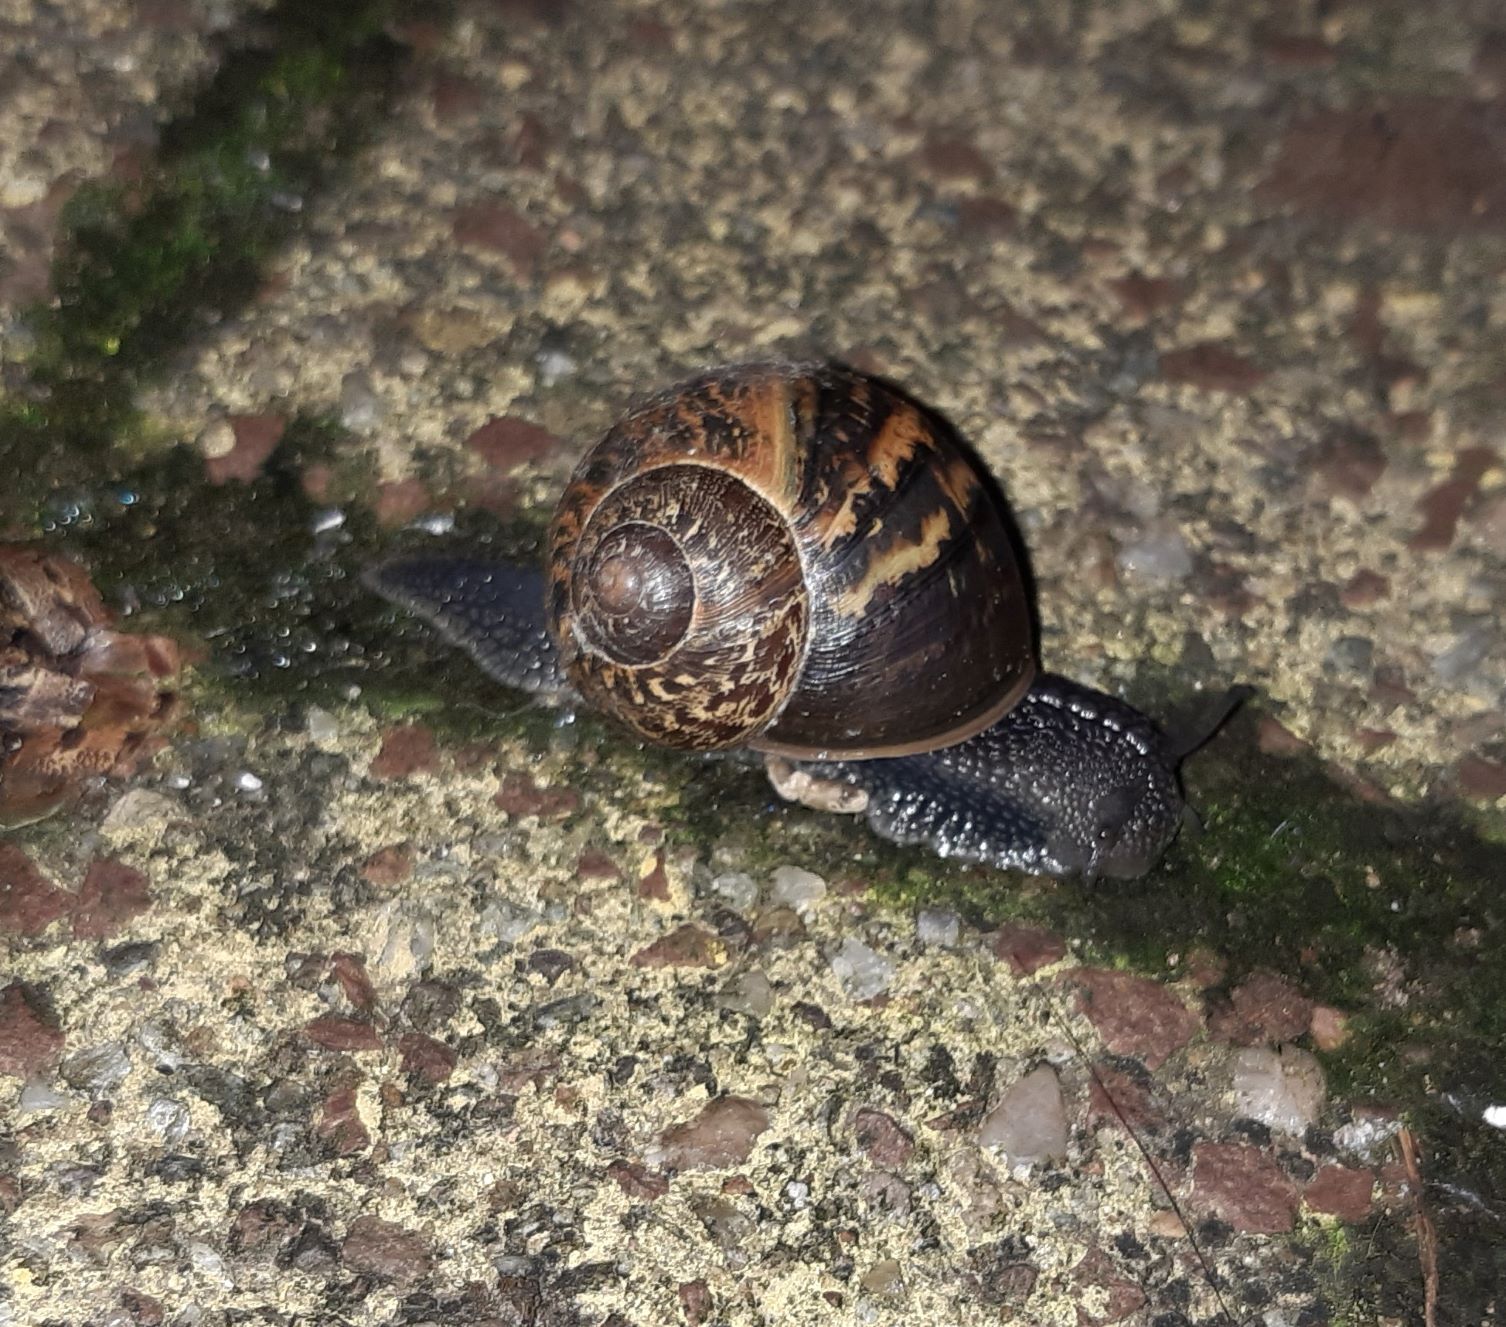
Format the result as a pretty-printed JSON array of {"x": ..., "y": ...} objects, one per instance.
[{"x": 140, "y": 261}]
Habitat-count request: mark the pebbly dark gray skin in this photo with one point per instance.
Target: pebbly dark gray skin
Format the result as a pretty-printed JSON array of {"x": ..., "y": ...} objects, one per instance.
[{"x": 1071, "y": 781}]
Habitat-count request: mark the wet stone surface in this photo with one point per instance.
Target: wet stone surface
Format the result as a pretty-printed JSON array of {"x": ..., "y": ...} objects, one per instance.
[
  {"x": 466, "y": 1079},
  {"x": 337, "y": 1017}
]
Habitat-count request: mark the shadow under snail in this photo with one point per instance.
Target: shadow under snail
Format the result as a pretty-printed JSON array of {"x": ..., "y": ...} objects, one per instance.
[{"x": 801, "y": 560}]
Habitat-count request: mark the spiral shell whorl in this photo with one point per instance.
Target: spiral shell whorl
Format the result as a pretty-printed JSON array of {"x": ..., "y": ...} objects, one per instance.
[
  {"x": 854, "y": 587},
  {"x": 687, "y": 612}
]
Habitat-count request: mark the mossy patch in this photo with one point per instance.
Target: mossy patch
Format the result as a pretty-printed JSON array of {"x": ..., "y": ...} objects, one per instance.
[{"x": 143, "y": 261}]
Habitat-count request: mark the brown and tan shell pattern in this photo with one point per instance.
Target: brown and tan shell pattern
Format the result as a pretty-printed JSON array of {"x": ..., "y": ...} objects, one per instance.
[{"x": 795, "y": 557}]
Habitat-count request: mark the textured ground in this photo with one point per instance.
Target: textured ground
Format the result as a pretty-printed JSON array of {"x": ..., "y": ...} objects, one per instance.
[{"x": 328, "y": 1022}]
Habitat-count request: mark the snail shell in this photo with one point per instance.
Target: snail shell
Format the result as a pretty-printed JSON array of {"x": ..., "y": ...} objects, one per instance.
[{"x": 797, "y": 558}]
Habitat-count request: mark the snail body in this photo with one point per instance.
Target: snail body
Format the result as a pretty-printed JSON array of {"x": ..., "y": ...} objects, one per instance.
[{"x": 801, "y": 560}]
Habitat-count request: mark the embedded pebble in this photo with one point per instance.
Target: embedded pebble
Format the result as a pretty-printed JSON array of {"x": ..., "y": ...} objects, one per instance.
[
  {"x": 361, "y": 408},
  {"x": 37, "y": 1095},
  {"x": 862, "y": 971},
  {"x": 407, "y": 944},
  {"x": 1368, "y": 1136},
  {"x": 169, "y": 1119},
  {"x": 1159, "y": 554},
  {"x": 939, "y": 927},
  {"x": 139, "y": 807},
  {"x": 723, "y": 1134},
  {"x": 507, "y": 922},
  {"x": 321, "y": 726},
  {"x": 796, "y": 888},
  {"x": 1284, "y": 1089},
  {"x": 748, "y": 993},
  {"x": 1243, "y": 1185},
  {"x": 208, "y": 1264},
  {"x": 96, "y": 1069},
  {"x": 737, "y": 889},
  {"x": 1029, "y": 1125}
]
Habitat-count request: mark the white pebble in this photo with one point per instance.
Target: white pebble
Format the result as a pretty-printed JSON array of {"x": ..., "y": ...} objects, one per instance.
[
  {"x": 863, "y": 972},
  {"x": 798, "y": 889},
  {"x": 737, "y": 889},
  {"x": 322, "y": 726},
  {"x": 938, "y": 926},
  {"x": 1283, "y": 1089},
  {"x": 168, "y": 1119},
  {"x": 39, "y": 1096}
]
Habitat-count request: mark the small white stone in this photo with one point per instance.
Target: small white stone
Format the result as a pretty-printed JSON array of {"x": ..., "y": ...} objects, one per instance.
[
  {"x": 796, "y": 888},
  {"x": 216, "y": 439},
  {"x": 938, "y": 926},
  {"x": 1368, "y": 1136},
  {"x": 329, "y": 518},
  {"x": 505, "y": 922},
  {"x": 1029, "y": 1125},
  {"x": 322, "y": 726},
  {"x": 737, "y": 889},
  {"x": 39, "y": 1096},
  {"x": 22, "y": 189},
  {"x": 207, "y": 1263},
  {"x": 247, "y": 782},
  {"x": 1159, "y": 554},
  {"x": 168, "y": 1119},
  {"x": 863, "y": 972},
  {"x": 553, "y": 366},
  {"x": 1283, "y": 1089},
  {"x": 1495, "y": 1116},
  {"x": 136, "y": 808}
]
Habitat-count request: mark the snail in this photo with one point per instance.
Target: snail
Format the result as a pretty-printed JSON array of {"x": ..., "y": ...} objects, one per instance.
[{"x": 801, "y": 560}]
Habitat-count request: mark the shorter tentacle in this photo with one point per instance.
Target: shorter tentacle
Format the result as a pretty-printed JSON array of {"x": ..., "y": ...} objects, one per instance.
[{"x": 494, "y": 611}]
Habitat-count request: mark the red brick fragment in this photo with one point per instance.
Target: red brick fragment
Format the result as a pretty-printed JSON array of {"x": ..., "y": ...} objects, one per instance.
[
  {"x": 256, "y": 438},
  {"x": 386, "y": 1250},
  {"x": 1027, "y": 948},
  {"x": 520, "y": 796},
  {"x": 112, "y": 894},
  {"x": 336, "y": 1033},
  {"x": 1244, "y": 1186},
  {"x": 1442, "y": 507},
  {"x": 637, "y": 1180},
  {"x": 495, "y": 226},
  {"x": 1262, "y": 1008},
  {"x": 723, "y": 1134},
  {"x": 881, "y": 1137},
  {"x": 1134, "y": 1015},
  {"x": 506, "y": 443},
  {"x": 350, "y": 971},
  {"x": 1119, "y": 1294},
  {"x": 1213, "y": 367},
  {"x": 406, "y": 750},
  {"x": 1341, "y": 1191},
  {"x": 339, "y": 1123},
  {"x": 29, "y": 902},
  {"x": 30, "y": 1039},
  {"x": 424, "y": 1058},
  {"x": 1422, "y": 163},
  {"x": 399, "y": 501},
  {"x": 390, "y": 865},
  {"x": 688, "y": 946},
  {"x": 1481, "y": 778}
]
